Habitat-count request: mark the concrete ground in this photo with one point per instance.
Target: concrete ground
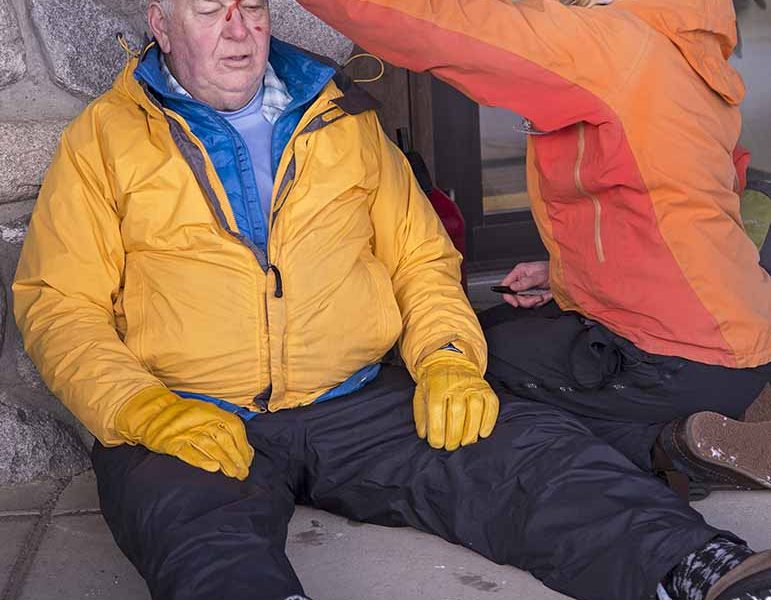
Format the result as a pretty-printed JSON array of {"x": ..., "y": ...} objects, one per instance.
[{"x": 54, "y": 545}]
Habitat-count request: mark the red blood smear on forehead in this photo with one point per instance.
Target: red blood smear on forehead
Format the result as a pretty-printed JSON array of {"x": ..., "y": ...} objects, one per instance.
[{"x": 232, "y": 8}]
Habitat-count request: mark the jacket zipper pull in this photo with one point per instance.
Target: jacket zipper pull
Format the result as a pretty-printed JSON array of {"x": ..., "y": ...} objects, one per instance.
[
  {"x": 279, "y": 291},
  {"x": 261, "y": 400}
]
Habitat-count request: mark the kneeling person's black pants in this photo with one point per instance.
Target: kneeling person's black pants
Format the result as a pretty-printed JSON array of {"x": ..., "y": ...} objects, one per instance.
[
  {"x": 623, "y": 394},
  {"x": 543, "y": 493}
]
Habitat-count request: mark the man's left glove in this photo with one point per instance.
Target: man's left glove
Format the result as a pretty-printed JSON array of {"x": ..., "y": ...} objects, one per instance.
[{"x": 453, "y": 404}]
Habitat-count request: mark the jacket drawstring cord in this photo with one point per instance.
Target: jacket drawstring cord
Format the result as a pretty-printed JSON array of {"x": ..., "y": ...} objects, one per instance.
[
  {"x": 125, "y": 45},
  {"x": 367, "y": 55}
]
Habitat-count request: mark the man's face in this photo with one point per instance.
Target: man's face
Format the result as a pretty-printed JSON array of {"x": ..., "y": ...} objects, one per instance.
[{"x": 217, "y": 49}]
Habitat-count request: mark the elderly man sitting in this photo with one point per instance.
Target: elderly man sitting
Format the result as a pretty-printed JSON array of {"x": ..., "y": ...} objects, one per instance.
[{"x": 223, "y": 250}]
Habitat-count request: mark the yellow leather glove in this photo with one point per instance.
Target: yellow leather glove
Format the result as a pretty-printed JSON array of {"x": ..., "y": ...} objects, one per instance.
[
  {"x": 199, "y": 433},
  {"x": 453, "y": 404}
]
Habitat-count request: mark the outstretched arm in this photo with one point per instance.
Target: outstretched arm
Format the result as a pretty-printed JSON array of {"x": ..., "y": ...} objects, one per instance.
[{"x": 547, "y": 62}]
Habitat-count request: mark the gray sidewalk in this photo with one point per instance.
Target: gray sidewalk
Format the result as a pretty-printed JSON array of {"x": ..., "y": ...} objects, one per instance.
[{"x": 54, "y": 545}]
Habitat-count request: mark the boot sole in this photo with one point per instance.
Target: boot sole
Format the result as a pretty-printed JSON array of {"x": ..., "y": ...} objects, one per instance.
[{"x": 735, "y": 453}]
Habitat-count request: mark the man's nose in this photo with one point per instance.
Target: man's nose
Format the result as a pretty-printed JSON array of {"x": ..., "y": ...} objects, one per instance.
[{"x": 234, "y": 27}]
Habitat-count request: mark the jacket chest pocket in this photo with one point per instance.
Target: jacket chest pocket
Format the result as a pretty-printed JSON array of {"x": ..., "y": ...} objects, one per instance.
[
  {"x": 175, "y": 218},
  {"x": 573, "y": 200},
  {"x": 556, "y": 157}
]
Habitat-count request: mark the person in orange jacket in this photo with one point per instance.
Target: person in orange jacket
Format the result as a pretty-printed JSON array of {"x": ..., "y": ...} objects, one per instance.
[
  {"x": 661, "y": 333},
  {"x": 633, "y": 112}
]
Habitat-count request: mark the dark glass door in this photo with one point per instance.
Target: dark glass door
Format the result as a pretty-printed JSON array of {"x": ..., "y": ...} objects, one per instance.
[{"x": 479, "y": 156}]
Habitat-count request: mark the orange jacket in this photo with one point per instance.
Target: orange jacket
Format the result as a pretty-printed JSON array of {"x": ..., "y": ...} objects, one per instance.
[{"x": 631, "y": 178}]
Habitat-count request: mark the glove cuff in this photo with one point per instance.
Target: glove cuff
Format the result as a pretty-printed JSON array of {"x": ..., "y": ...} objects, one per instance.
[
  {"x": 136, "y": 415},
  {"x": 447, "y": 357}
]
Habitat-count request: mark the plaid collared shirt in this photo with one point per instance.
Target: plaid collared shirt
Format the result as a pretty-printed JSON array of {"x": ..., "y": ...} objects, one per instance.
[{"x": 275, "y": 96}]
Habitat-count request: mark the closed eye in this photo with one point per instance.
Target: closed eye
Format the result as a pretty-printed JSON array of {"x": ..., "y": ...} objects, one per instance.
[
  {"x": 252, "y": 6},
  {"x": 208, "y": 7}
]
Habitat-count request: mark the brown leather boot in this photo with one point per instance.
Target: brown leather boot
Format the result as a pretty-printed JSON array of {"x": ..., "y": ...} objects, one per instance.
[{"x": 718, "y": 451}]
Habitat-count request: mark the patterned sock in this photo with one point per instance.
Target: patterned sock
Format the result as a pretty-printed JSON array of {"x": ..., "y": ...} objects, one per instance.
[{"x": 697, "y": 572}]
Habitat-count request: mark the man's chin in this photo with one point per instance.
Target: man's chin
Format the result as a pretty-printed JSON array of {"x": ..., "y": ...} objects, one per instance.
[{"x": 237, "y": 97}]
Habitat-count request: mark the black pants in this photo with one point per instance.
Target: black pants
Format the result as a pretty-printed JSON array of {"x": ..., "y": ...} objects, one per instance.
[
  {"x": 621, "y": 393},
  {"x": 543, "y": 493}
]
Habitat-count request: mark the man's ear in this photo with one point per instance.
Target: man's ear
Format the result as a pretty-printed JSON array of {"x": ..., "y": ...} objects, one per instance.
[{"x": 159, "y": 23}]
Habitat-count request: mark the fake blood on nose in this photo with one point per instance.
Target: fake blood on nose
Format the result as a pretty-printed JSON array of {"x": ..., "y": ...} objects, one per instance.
[{"x": 231, "y": 8}]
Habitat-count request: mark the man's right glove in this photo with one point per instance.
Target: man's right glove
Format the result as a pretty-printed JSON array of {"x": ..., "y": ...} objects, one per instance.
[
  {"x": 199, "y": 433},
  {"x": 453, "y": 405}
]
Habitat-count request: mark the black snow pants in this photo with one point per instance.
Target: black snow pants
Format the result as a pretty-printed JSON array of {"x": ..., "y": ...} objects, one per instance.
[
  {"x": 622, "y": 394},
  {"x": 544, "y": 493}
]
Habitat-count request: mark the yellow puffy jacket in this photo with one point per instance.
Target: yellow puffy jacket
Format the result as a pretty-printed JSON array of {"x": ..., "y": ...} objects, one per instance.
[{"x": 134, "y": 273}]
